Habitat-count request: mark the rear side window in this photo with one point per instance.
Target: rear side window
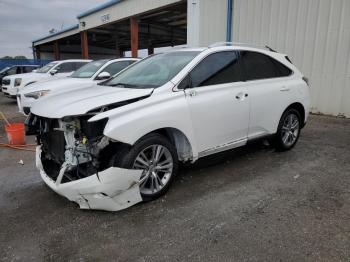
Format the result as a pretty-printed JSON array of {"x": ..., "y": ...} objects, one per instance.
[
  {"x": 259, "y": 66},
  {"x": 116, "y": 67},
  {"x": 65, "y": 67},
  {"x": 217, "y": 68}
]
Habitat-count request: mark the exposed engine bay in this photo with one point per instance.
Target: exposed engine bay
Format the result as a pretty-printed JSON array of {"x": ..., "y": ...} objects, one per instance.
[
  {"x": 71, "y": 149},
  {"x": 71, "y": 143}
]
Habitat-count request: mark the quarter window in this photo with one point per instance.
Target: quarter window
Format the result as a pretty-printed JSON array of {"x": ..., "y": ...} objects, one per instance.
[
  {"x": 259, "y": 66},
  {"x": 217, "y": 68}
]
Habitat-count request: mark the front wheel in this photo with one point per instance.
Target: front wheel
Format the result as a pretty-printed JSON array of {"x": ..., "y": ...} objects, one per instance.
[
  {"x": 288, "y": 130},
  {"x": 157, "y": 158}
]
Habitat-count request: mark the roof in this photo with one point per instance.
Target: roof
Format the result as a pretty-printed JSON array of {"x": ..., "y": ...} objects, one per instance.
[
  {"x": 98, "y": 8},
  {"x": 69, "y": 28}
]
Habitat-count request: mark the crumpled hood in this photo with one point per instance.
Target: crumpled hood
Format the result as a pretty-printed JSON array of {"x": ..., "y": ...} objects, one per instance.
[
  {"x": 53, "y": 85},
  {"x": 78, "y": 102}
]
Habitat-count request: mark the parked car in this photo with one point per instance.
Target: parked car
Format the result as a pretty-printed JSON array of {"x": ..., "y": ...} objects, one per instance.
[
  {"x": 121, "y": 145},
  {"x": 16, "y": 69},
  {"x": 90, "y": 73},
  {"x": 56, "y": 69}
]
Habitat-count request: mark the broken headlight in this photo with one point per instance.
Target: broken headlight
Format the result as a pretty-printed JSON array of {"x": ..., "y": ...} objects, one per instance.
[{"x": 37, "y": 94}]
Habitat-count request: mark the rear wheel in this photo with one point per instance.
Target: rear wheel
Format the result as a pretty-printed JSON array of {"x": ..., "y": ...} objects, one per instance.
[
  {"x": 157, "y": 158},
  {"x": 288, "y": 130}
]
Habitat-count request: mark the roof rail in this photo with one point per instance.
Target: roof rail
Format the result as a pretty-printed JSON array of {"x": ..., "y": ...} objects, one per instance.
[{"x": 218, "y": 44}]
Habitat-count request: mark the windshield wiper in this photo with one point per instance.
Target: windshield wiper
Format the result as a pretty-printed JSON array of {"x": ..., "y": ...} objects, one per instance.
[{"x": 123, "y": 85}]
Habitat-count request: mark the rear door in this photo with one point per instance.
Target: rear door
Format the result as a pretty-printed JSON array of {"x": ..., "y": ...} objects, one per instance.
[
  {"x": 218, "y": 103},
  {"x": 269, "y": 88}
]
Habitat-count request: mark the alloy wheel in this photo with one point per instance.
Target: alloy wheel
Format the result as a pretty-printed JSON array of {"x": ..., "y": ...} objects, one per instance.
[
  {"x": 290, "y": 130},
  {"x": 157, "y": 165}
]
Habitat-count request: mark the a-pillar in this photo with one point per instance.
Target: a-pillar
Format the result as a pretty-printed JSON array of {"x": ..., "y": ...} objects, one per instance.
[
  {"x": 134, "y": 31},
  {"x": 84, "y": 45},
  {"x": 56, "y": 50}
]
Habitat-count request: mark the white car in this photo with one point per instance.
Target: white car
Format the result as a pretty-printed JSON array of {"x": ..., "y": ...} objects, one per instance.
[
  {"x": 122, "y": 145},
  {"x": 86, "y": 76},
  {"x": 12, "y": 84}
]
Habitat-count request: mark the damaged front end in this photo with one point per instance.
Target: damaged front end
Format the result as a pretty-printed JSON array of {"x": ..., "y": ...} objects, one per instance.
[{"x": 71, "y": 156}]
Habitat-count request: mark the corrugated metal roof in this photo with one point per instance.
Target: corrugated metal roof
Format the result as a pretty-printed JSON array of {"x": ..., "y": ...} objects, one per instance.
[
  {"x": 98, "y": 8},
  {"x": 69, "y": 28}
]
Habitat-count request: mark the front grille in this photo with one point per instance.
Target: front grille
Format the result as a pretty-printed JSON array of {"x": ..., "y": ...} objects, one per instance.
[{"x": 6, "y": 82}]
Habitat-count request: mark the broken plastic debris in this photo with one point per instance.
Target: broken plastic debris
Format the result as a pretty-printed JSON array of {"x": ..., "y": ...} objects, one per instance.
[{"x": 20, "y": 162}]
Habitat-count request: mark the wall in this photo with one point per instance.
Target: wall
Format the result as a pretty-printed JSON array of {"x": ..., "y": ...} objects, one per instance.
[
  {"x": 316, "y": 36},
  {"x": 206, "y": 22}
]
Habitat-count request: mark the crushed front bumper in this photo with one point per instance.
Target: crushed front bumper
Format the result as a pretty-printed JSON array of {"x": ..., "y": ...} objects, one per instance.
[{"x": 112, "y": 189}]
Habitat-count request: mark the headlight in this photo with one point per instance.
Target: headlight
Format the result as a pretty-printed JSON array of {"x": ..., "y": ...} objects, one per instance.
[
  {"x": 37, "y": 94},
  {"x": 18, "y": 81}
]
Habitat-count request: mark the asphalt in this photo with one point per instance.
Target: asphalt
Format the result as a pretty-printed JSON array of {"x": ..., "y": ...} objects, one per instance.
[{"x": 249, "y": 204}]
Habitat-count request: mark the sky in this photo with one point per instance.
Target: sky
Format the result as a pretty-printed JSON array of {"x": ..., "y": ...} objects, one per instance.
[{"x": 22, "y": 21}]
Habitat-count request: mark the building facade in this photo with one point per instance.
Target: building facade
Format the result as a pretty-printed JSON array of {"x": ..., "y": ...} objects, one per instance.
[{"x": 314, "y": 33}]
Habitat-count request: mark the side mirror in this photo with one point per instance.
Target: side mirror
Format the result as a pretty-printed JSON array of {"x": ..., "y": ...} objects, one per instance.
[
  {"x": 53, "y": 72},
  {"x": 103, "y": 75},
  {"x": 35, "y": 70},
  {"x": 185, "y": 83}
]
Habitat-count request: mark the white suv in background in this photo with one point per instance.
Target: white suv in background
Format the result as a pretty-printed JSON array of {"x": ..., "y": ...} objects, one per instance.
[
  {"x": 121, "y": 145},
  {"x": 85, "y": 76},
  {"x": 12, "y": 84}
]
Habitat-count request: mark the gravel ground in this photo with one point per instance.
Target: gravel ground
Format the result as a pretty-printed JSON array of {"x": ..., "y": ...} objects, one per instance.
[{"x": 250, "y": 204}]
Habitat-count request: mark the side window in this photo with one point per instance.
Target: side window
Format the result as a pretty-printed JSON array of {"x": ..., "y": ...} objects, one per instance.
[
  {"x": 19, "y": 70},
  {"x": 259, "y": 66},
  {"x": 218, "y": 68},
  {"x": 116, "y": 67},
  {"x": 12, "y": 71},
  {"x": 65, "y": 67},
  {"x": 282, "y": 70},
  {"x": 77, "y": 65}
]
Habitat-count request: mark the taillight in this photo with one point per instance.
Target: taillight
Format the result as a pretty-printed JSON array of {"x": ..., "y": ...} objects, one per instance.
[{"x": 306, "y": 80}]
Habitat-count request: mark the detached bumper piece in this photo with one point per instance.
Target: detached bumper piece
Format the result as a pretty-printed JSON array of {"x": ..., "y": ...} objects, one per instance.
[{"x": 112, "y": 189}]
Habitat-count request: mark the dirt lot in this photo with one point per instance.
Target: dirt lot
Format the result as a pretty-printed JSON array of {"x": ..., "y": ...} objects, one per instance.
[{"x": 251, "y": 204}]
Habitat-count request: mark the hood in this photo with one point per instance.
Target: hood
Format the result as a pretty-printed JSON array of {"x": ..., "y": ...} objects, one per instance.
[
  {"x": 29, "y": 75},
  {"x": 57, "y": 85},
  {"x": 79, "y": 102}
]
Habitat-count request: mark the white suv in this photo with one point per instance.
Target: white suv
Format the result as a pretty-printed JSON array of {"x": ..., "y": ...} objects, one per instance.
[
  {"x": 86, "y": 76},
  {"x": 14, "y": 83},
  {"x": 121, "y": 145}
]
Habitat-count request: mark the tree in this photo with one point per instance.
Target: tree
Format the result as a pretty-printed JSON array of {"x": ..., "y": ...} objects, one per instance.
[
  {"x": 20, "y": 57},
  {"x": 6, "y": 57}
]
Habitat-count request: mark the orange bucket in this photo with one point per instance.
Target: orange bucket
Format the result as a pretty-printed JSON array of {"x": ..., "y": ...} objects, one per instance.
[{"x": 15, "y": 133}]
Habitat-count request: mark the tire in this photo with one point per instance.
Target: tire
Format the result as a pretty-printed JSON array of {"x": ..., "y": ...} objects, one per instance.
[
  {"x": 288, "y": 131},
  {"x": 130, "y": 157}
]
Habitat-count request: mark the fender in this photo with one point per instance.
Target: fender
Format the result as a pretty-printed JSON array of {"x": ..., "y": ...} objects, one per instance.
[{"x": 163, "y": 109}]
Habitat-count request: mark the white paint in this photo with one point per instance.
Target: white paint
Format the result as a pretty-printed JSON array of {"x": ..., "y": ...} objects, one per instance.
[
  {"x": 207, "y": 123},
  {"x": 33, "y": 77},
  {"x": 62, "y": 84}
]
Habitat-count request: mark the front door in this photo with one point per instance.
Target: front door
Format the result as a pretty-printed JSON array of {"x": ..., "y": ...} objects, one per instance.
[{"x": 218, "y": 103}]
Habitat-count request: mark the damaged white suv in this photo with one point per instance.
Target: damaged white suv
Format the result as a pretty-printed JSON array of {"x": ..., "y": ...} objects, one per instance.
[{"x": 111, "y": 147}]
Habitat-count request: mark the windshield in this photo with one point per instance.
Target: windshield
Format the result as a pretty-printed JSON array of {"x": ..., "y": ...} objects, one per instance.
[
  {"x": 3, "y": 70},
  {"x": 153, "y": 71},
  {"x": 46, "y": 68},
  {"x": 89, "y": 69}
]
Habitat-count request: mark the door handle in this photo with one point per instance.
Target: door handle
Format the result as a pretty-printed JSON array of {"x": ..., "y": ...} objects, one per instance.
[{"x": 284, "y": 89}]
